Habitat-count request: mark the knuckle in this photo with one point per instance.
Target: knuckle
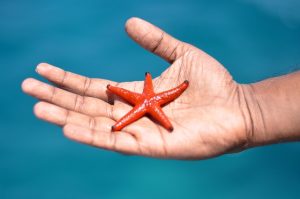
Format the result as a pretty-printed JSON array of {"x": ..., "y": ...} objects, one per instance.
[
  {"x": 79, "y": 103},
  {"x": 86, "y": 85}
]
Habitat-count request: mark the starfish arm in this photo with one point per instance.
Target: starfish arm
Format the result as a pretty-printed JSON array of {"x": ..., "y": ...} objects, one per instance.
[
  {"x": 148, "y": 86},
  {"x": 127, "y": 95},
  {"x": 169, "y": 95},
  {"x": 157, "y": 113},
  {"x": 136, "y": 113}
]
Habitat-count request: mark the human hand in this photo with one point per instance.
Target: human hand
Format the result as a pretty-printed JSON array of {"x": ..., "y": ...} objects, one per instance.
[{"x": 210, "y": 118}]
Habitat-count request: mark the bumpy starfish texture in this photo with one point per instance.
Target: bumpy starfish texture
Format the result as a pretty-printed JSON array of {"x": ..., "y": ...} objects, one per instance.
[{"x": 146, "y": 103}]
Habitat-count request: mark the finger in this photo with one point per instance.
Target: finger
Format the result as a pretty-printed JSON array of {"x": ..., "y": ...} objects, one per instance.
[
  {"x": 156, "y": 40},
  {"x": 61, "y": 116},
  {"x": 120, "y": 141},
  {"x": 87, "y": 105},
  {"x": 73, "y": 82}
]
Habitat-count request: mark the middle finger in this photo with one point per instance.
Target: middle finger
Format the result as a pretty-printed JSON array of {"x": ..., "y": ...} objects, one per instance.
[{"x": 74, "y": 102}]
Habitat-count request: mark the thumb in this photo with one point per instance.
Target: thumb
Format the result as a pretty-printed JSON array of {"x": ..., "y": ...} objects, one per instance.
[{"x": 156, "y": 40}]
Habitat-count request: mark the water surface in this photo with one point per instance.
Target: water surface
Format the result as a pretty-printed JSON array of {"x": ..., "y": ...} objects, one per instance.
[{"x": 253, "y": 39}]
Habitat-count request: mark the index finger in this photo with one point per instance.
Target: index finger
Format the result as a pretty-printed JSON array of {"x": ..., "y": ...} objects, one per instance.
[{"x": 78, "y": 84}]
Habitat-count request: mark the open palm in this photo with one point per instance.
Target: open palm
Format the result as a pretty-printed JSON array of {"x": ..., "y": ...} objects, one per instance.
[{"x": 208, "y": 118}]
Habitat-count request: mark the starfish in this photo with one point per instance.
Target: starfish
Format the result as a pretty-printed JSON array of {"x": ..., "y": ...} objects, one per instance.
[{"x": 146, "y": 103}]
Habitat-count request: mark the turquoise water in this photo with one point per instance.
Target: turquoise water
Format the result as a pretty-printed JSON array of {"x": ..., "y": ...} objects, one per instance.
[{"x": 253, "y": 39}]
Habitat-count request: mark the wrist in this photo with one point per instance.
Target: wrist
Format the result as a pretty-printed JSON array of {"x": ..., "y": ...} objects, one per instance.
[
  {"x": 253, "y": 115},
  {"x": 273, "y": 110}
]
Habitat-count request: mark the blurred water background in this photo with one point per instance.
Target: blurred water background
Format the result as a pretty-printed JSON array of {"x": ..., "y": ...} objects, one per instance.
[{"x": 253, "y": 39}]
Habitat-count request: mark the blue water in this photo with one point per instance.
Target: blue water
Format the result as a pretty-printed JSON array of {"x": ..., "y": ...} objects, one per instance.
[{"x": 253, "y": 39}]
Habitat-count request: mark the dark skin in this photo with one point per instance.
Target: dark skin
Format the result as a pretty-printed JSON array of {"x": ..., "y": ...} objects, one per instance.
[{"x": 214, "y": 116}]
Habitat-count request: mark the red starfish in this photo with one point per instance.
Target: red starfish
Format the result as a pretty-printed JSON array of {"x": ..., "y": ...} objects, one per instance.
[{"x": 147, "y": 102}]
